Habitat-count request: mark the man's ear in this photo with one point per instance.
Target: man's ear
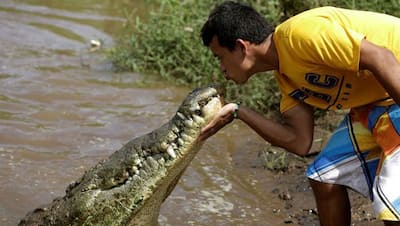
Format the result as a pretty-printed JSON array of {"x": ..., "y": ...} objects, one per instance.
[{"x": 242, "y": 44}]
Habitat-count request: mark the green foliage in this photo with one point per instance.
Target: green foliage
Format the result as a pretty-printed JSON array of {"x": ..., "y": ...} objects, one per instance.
[
  {"x": 167, "y": 43},
  {"x": 274, "y": 159}
]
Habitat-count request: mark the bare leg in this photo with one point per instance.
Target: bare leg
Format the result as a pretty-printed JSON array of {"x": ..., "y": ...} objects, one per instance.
[{"x": 332, "y": 203}]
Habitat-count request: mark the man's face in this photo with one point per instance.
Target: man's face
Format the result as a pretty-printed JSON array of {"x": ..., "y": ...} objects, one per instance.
[{"x": 231, "y": 62}]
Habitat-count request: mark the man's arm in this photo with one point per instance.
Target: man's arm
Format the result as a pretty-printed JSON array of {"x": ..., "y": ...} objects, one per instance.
[
  {"x": 384, "y": 65},
  {"x": 295, "y": 135}
]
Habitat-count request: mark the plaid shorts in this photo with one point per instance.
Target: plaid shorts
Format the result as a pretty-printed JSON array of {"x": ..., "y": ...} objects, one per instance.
[{"x": 364, "y": 155}]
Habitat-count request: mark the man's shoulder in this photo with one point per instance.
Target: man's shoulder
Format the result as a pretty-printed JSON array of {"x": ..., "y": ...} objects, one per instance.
[
  {"x": 304, "y": 26},
  {"x": 325, "y": 14},
  {"x": 324, "y": 11}
]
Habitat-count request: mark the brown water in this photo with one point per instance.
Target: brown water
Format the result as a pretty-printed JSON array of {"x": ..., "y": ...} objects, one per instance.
[{"x": 62, "y": 109}]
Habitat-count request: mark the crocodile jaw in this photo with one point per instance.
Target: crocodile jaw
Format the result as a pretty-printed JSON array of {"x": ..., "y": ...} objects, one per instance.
[
  {"x": 129, "y": 187},
  {"x": 180, "y": 158}
]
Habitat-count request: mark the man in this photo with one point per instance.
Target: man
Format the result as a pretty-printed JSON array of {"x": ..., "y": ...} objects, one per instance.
[{"x": 328, "y": 58}]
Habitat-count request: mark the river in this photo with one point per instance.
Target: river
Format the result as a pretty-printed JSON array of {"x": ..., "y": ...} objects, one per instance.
[{"x": 62, "y": 109}]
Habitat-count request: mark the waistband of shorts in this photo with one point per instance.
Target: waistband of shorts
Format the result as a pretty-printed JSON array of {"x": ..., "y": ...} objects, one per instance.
[{"x": 384, "y": 102}]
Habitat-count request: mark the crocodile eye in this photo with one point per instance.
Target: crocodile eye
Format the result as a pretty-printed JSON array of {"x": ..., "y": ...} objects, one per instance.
[{"x": 197, "y": 112}]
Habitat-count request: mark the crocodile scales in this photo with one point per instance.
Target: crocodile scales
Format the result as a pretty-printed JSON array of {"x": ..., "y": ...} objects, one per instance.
[{"x": 129, "y": 186}]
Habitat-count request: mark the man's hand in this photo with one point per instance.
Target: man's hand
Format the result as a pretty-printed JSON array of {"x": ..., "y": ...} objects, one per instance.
[{"x": 222, "y": 118}]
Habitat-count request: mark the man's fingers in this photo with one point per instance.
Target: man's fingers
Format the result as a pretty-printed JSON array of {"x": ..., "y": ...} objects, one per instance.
[
  {"x": 204, "y": 135},
  {"x": 221, "y": 119},
  {"x": 207, "y": 128}
]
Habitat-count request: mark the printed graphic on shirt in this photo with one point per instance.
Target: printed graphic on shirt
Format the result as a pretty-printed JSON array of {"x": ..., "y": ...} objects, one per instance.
[
  {"x": 319, "y": 55},
  {"x": 329, "y": 89}
]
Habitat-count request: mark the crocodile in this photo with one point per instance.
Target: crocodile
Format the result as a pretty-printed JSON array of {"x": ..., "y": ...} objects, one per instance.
[{"x": 129, "y": 186}]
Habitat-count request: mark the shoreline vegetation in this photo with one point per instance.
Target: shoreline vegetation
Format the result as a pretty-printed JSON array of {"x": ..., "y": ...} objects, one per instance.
[{"x": 167, "y": 43}]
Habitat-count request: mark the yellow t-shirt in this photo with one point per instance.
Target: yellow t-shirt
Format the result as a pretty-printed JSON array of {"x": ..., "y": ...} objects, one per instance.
[{"x": 319, "y": 53}]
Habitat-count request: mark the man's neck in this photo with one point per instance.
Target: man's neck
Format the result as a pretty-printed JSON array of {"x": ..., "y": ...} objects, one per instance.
[{"x": 269, "y": 56}]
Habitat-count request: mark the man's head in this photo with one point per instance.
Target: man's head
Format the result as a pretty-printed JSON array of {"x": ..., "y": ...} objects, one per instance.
[
  {"x": 231, "y": 31},
  {"x": 230, "y": 21}
]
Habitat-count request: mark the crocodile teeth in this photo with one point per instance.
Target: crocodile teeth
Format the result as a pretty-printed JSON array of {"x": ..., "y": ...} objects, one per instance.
[
  {"x": 136, "y": 162},
  {"x": 170, "y": 151},
  {"x": 198, "y": 119},
  {"x": 186, "y": 137},
  {"x": 164, "y": 145},
  {"x": 180, "y": 141},
  {"x": 182, "y": 116},
  {"x": 189, "y": 123}
]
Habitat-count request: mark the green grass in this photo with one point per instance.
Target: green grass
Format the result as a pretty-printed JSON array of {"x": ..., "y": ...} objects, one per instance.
[{"x": 167, "y": 43}]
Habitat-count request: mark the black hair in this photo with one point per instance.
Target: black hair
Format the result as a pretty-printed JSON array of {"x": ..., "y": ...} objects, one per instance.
[{"x": 230, "y": 21}]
